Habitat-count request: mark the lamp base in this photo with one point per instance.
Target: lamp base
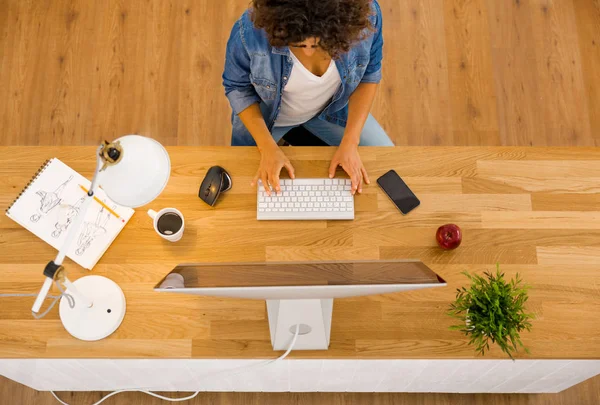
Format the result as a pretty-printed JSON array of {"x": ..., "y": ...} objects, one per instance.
[{"x": 103, "y": 317}]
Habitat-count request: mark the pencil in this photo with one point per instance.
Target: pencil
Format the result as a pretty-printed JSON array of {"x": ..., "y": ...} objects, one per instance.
[{"x": 101, "y": 203}]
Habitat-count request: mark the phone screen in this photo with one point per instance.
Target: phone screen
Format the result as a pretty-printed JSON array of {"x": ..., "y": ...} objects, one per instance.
[{"x": 398, "y": 191}]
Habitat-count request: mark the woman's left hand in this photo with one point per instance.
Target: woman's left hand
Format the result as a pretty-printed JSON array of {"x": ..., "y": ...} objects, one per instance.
[{"x": 347, "y": 156}]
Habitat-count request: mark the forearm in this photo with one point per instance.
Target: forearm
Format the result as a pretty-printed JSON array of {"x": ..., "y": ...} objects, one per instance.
[
  {"x": 254, "y": 122},
  {"x": 359, "y": 106}
]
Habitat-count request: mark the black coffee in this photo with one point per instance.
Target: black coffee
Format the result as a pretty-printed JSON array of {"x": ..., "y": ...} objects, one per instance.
[{"x": 169, "y": 223}]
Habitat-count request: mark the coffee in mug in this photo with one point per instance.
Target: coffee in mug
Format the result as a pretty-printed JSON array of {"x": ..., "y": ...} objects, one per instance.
[{"x": 168, "y": 223}]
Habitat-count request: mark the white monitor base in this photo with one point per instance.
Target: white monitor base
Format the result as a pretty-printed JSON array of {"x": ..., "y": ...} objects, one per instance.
[
  {"x": 313, "y": 316},
  {"x": 105, "y": 315}
]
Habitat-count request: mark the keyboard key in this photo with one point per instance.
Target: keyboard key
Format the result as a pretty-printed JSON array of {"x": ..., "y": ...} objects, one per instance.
[
  {"x": 321, "y": 188},
  {"x": 297, "y": 205},
  {"x": 303, "y": 205},
  {"x": 336, "y": 204},
  {"x": 292, "y": 194},
  {"x": 347, "y": 188},
  {"x": 311, "y": 204},
  {"x": 295, "y": 210},
  {"x": 305, "y": 194},
  {"x": 318, "y": 193},
  {"x": 277, "y": 205},
  {"x": 311, "y": 193},
  {"x": 295, "y": 188},
  {"x": 328, "y": 181},
  {"x": 307, "y": 182},
  {"x": 319, "y": 198},
  {"x": 337, "y": 193},
  {"x": 347, "y": 198}
]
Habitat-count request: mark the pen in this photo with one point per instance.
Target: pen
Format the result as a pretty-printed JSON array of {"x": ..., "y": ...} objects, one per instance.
[{"x": 101, "y": 203}]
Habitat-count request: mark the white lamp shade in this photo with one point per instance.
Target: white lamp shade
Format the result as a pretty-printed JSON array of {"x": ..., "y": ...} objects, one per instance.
[{"x": 141, "y": 174}]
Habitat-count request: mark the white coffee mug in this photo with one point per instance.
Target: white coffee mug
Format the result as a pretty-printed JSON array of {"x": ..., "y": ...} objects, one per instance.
[{"x": 167, "y": 224}]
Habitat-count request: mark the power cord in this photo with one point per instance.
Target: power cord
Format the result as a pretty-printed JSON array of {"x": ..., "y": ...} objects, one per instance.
[
  {"x": 69, "y": 298},
  {"x": 240, "y": 370}
]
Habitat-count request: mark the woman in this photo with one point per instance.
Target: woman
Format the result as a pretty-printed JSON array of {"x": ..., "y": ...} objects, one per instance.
[{"x": 311, "y": 63}]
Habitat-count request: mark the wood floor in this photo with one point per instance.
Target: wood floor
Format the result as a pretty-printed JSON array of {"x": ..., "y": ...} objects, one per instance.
[
  {"x": 456, "y": 72},
  {"x": 586, "y": 393}
]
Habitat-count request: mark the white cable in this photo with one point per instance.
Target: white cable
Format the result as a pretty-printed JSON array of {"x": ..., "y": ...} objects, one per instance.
[
  {"x": 284, "y": 355},
  {"x": 55, "y": 298},
  {"x": 192, "y": 396}
]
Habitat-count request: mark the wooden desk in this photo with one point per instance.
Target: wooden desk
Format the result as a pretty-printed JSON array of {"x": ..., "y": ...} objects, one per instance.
[{"x": 533, "y": 210}]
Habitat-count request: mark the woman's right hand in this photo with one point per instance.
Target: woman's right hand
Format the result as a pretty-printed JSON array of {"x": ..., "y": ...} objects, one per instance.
[{"x": 272, "y": 160}]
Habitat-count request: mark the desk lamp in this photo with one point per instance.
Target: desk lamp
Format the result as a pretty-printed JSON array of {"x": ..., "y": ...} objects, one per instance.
[{"x": 132, "y": 170}]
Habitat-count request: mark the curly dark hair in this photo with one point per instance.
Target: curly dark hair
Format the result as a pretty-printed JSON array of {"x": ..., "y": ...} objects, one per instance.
[{"x": 338, "y": 23}]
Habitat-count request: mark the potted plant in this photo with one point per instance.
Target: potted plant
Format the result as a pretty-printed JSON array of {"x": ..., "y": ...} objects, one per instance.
[{"x": 492, "y": 309}]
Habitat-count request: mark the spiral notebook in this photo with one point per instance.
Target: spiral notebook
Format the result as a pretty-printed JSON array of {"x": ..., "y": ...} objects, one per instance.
[{"x": 49, "y": 203}]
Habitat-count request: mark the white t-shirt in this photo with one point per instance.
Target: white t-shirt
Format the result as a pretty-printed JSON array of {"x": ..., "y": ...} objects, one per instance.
[{"x": 305, "y": 94}]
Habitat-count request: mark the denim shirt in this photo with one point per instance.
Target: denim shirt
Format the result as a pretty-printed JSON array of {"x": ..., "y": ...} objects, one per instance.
[{"x": 256, "y": 72}]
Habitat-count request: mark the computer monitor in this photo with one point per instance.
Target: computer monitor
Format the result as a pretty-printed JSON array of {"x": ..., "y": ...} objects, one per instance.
[{"x": 300, "y": 293}]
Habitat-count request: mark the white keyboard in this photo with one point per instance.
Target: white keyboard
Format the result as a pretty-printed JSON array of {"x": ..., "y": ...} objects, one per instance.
[{"x": 306, "y": 199}]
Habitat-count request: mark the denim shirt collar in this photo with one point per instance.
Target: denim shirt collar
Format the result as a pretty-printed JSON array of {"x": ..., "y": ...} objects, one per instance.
[{"x": 280, "y": 50}]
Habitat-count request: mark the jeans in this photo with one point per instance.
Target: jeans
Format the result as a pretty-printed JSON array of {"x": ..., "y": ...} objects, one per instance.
[{"x": 332, "y": 134}]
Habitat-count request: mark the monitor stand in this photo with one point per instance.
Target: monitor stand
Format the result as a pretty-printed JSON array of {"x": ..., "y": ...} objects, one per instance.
[{"x": 313, "y": 316}]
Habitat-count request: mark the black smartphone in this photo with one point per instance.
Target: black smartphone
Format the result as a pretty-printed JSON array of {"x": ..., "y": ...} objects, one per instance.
[{"x": 398, "y": 191}]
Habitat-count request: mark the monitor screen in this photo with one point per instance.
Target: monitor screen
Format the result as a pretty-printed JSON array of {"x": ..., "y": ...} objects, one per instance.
[{"x": 278, "y": 274}]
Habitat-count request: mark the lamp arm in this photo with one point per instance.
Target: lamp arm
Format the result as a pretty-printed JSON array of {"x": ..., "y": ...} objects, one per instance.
[{"x": 74, "y": 229}]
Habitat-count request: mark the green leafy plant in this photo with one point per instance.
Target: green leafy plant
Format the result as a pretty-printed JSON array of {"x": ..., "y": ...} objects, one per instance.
[{"x": 492, "y": 309}]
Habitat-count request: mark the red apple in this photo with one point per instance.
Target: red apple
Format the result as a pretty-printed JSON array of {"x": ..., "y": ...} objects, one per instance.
[{"x": 449, "y": 236}]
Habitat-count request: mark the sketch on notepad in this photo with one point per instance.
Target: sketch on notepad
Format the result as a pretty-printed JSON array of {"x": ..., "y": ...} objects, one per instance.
[
  {"x": 66, "y": 215},
  {"x": 49, "y": 200},
  {"x": 91, "y": 230}
]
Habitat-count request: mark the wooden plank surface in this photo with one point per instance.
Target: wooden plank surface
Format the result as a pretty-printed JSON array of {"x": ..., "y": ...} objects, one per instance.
[
  {"x": 587, "y": 14},
  {"x": 457, "y": 72},
  {"x": 511, "y": 222}
]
